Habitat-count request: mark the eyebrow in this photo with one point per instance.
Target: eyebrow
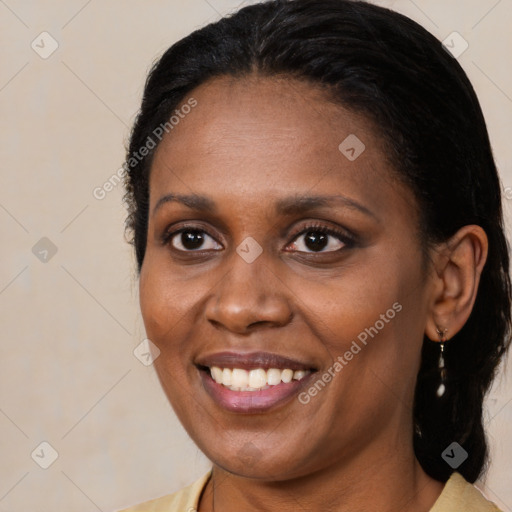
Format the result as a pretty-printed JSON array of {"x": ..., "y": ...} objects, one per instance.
[
  {"x": 193, "y": 201},
  {"x": 301, "y": 204},
  {"x": 285, "y": 206}
]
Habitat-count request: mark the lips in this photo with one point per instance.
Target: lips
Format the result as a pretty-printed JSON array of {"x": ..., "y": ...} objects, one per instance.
[
  {"x": 254, "y": 382},
  {"x": 251, "y": 361}
]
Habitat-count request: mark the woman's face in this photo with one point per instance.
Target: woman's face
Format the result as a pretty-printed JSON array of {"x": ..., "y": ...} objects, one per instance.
[{"x": 267, "y": 279}]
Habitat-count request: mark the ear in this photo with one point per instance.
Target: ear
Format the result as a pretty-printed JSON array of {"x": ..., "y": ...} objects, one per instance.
[{"x": 458, "y": 265}]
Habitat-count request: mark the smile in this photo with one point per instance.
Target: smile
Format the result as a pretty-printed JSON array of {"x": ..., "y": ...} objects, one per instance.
[{"x": 252, "y": 383}]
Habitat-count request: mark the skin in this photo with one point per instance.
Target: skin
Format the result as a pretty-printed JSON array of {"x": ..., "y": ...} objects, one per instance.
[{"x": 248, "y": 143}]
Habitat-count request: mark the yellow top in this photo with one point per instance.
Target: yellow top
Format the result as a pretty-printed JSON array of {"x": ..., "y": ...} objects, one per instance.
[{"x": 457, "y": 495}]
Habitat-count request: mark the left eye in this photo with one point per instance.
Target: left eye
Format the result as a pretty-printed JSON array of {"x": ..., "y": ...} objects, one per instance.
[
  {"x": 318, "y": 240},
  {"x": 192, "y": 240}
]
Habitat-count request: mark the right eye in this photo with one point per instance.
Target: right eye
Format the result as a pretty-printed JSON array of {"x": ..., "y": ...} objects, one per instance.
[{"x": 191, "y": 239}]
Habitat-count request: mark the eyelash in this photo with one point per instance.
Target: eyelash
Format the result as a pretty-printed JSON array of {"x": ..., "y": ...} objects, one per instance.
[
  {"x": 168, "y": 235},
  {"x": 344, "y": 237},
  {"x": 347, "y": 240}
]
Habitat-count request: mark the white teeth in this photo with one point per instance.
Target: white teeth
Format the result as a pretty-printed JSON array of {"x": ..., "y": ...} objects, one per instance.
[
  {"x": 273, "y": 376},
  {"x": 257, "y": 378},
  {"x": 287, "y": 375},
  {"x": 238, "y": 379},
  {"x": 226, "y": 377},
  {"x": 216, "y": 374}
]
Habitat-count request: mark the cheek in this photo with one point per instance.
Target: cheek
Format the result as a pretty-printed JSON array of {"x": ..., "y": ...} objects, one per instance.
[
  {"x": 157, "y": 306},
  {"x": 372, "y": 316},
  {"x": 172, "y": 308},
  {"x": 341, "y": 306},
  {"x": 164, "y": 306},
  {"x": 163, "y": 299}
]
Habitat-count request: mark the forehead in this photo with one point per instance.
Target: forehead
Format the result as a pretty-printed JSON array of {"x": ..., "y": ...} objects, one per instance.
[
  {"x": 278, "y": 114},
  {"x": 263, "y": 137}
]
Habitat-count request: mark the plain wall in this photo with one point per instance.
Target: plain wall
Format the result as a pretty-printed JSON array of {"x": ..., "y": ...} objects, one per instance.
[{"x": 68, "y": 375}]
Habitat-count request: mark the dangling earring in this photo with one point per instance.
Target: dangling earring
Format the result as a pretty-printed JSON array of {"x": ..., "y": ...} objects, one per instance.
[{"x": 442, "y": 370}]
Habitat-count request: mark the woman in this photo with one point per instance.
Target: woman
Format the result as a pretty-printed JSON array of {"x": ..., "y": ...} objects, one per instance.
[{"x": 317, "y": 221}]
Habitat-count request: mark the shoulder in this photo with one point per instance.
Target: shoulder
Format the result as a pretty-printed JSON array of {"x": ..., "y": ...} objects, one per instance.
[
  {"x": 459, "y": 494},
  {"x": 184, "y": 500}
]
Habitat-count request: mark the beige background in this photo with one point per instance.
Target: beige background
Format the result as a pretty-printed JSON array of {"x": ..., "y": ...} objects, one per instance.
[{"x": 68, "y": 375}]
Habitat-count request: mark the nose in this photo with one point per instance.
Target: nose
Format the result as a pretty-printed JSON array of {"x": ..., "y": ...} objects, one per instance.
[{"x": 250, "y": 296}]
